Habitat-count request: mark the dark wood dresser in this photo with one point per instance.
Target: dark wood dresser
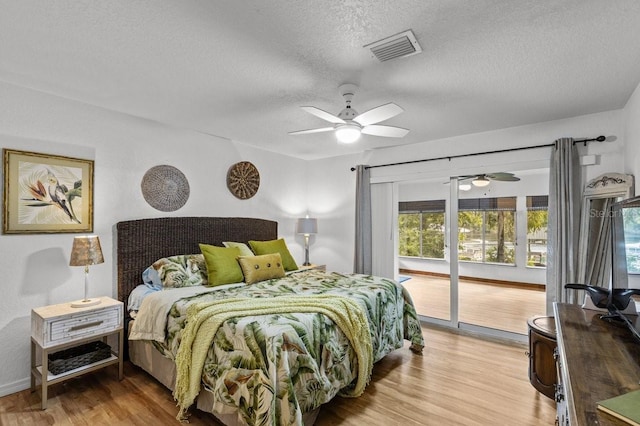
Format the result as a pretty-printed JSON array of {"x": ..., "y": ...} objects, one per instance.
[{"x": 596, "y": 360}]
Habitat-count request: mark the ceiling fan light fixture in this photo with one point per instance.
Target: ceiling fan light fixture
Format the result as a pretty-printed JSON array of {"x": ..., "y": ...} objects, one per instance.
[
  {"x": 464, "y": 187},
  {"x": 480, "y": 181},
  {"x": 348, "y": 133}
]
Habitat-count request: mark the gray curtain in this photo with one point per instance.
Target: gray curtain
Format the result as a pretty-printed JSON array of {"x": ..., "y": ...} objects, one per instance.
[
  {"x": 363, "y": 256},
  {"x": 565, "y": 188},
  {"x": 599, "y": 244}
]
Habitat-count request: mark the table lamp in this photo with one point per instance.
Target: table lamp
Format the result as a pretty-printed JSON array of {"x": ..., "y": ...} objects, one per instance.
[
  {"x": 307, "y": 226},
  {"x": 86, "y": 251}
]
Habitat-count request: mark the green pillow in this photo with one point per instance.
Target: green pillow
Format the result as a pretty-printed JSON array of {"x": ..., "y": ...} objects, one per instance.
[
  {"x": 222, "y": 264},
  {"x": 275, "y": 246},
  {"x": 244, "y": 249}
]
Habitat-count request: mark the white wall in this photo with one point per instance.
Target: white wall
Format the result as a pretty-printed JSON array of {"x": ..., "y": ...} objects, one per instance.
[
  {"x": 609, "y": 154},
  {"x": 331, "y": 193},
  {"x": 35, "y": 267}
]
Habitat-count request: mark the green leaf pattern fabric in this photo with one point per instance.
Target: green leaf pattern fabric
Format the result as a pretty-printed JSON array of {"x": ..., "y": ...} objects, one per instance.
[
  {"x": 181, "y": 271},
  {"x": 273, "y": 368}
]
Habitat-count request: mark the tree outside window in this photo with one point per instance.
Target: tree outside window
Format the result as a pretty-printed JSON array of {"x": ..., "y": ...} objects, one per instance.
[
  {"x": 433, "y": 235},
  {"x": 410, "y": 232},
  {"x": 421, "y": 229},
  {"x": 487, "y": 230},
  {"x": 537, "y": 220}
]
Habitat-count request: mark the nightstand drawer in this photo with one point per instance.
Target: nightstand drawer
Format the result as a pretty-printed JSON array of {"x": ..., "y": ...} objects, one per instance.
[
  {"x": 59, "y": 324},
  {"x": 81, "y": 324}
]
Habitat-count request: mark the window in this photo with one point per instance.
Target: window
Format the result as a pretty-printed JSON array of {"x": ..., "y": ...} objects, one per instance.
[
  {"x": 537, "y": 220},
  {"x": 487, "y": 230},
  {"x": 421, "y": 228}
]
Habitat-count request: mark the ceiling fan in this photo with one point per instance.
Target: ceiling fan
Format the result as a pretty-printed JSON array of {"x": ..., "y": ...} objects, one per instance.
[
  {"x": 483, "y": 179},
  {"x": 349, "y": 125}
]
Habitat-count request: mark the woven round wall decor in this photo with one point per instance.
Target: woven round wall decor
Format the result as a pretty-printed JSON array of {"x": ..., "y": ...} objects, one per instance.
[
  {"x": 165, "y": 188},
  {"x": 243, "y": 180}
]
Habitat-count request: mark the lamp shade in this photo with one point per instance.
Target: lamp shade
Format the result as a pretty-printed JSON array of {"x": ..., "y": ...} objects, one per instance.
[
  {"x": 86, "y": 251},
  {"x": 307, "y": 225}
]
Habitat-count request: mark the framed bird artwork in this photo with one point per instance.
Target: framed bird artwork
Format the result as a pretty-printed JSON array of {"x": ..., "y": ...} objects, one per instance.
[{"x": 46, "y": 193}]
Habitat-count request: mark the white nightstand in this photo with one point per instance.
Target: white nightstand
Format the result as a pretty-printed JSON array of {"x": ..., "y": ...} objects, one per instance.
[{"x": 58, "y": 327}]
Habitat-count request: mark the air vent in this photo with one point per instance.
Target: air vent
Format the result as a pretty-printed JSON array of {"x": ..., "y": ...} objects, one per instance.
[{"x": 396, "y": 46}]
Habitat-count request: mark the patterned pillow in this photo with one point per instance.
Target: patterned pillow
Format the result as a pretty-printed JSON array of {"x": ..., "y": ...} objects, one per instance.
[{"x": 176, "y": 271}]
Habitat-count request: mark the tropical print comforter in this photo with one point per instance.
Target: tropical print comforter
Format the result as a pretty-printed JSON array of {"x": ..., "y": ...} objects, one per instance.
[{"x": 271, "y": 369}]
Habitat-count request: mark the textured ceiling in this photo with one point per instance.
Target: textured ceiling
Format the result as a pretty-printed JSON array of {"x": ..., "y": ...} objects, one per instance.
[{"x": 242, "y": 69}]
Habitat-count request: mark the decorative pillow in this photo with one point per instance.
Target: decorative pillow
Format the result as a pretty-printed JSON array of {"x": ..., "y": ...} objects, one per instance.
[
  {"x": 151, "y": 279},
  {"x": 244, "y": 249},
  {"x": 222, "y": 264},
  {"x": 260, "y": 268},
  {"x": 275, "y": 246},
  {"x": 176, "y": 271}
]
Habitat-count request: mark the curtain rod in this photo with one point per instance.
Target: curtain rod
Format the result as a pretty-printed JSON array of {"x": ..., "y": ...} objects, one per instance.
[{"x": 450, "y": 157}]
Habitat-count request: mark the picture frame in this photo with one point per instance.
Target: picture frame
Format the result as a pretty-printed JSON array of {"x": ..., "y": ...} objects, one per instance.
[{"x": 46, "y": 193}]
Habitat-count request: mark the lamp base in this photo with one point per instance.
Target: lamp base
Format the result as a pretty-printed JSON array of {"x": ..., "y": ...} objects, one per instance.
[{"x": 85, "y": 303}]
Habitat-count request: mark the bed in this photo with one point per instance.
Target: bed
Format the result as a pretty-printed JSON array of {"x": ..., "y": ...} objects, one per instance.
[{"x": 248, "y": 360}]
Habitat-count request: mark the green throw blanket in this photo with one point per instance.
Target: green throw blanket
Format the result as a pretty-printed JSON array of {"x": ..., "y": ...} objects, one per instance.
[{"x": 204, "y": 319}]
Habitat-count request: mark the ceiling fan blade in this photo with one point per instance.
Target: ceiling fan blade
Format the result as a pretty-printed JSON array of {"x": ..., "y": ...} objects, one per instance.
[
  {"x": 505, "y": 178},
  {"x": 499, "y": 175},
  {"x": 378, "y": 114},
  {"x": 323, "y": 114},
  {"x": 304, "y": 132},
  {"x": 385, "y": 131}
]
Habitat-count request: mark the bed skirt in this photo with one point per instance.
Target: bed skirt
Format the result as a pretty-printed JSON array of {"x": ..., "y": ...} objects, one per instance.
[{"x": 144, "y": 355}]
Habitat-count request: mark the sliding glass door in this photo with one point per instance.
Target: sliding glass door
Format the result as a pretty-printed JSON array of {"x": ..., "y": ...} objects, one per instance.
[
  {"x": 475, "y": 259},
  {"x": 421, "y": 229}
]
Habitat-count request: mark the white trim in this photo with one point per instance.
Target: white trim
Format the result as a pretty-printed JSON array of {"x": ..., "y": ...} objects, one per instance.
[
  {"x": 19, "y": 386},
  {"x": 475, "y": 330},
  {"x": 451, "y": 251},
  {"x": 492, "y": 332}
]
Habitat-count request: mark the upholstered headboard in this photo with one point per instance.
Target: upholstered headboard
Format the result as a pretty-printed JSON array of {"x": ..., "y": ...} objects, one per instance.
[{"x": 142, "y": 242}]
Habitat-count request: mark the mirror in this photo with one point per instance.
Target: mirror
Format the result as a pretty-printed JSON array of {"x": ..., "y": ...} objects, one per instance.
[
  {"x": 595, "y": 242},
  {"x": 626, "y": 243}
]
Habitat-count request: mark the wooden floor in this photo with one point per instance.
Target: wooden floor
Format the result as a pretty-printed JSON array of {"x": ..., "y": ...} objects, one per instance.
[
  {"x": 459, "y": 380},
  {"x": 497, "y": 306}
]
